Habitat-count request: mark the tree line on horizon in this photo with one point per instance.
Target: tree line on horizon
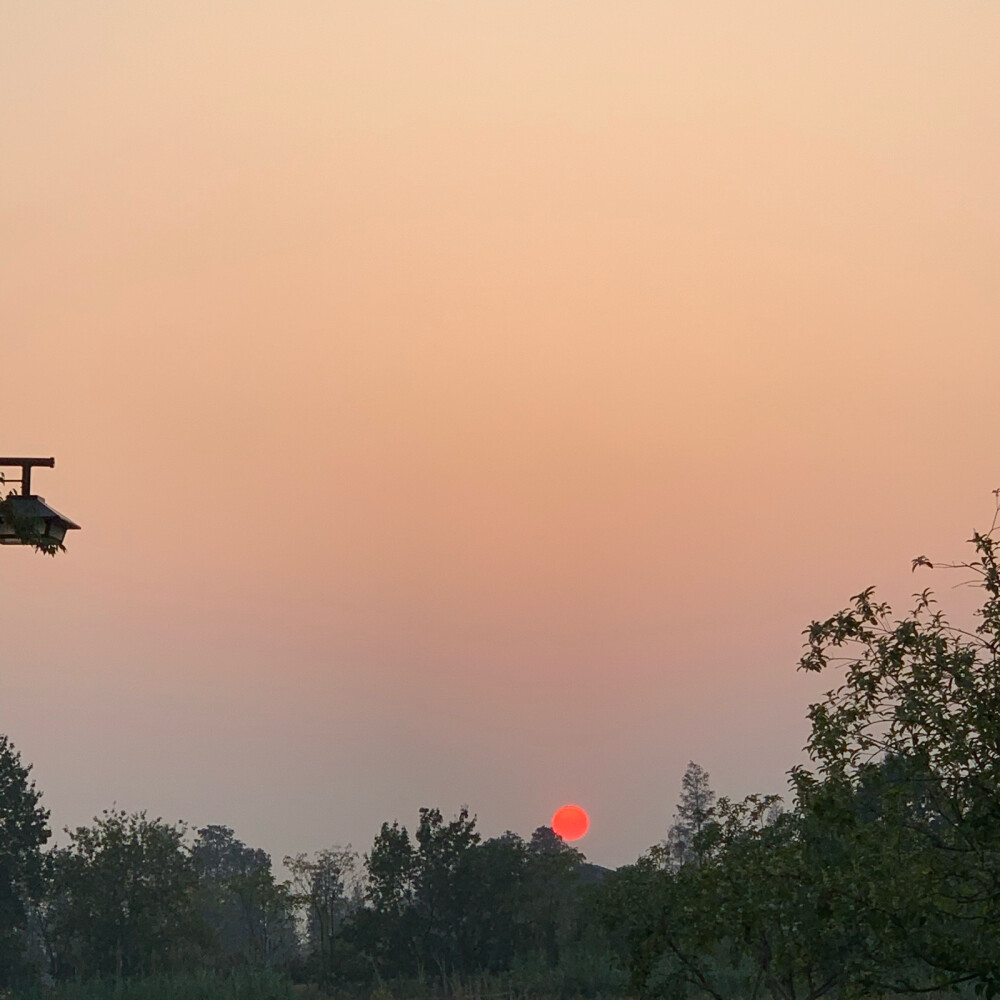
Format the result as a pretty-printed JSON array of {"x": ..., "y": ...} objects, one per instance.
[
  {"x": 130, "y": 897},
  {"x": 879, "y": 877}
]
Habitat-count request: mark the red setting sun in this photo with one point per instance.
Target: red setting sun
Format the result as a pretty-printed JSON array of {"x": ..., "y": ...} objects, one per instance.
[{"x": 570, "y": 822}]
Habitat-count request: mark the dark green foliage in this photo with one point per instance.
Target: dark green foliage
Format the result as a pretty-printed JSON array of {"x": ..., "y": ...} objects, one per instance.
[
  {"x": 493, "y": 921},
  {"x": 322, "y": 885},
  {"x": 907, "y": 754},
  {"x": 386, "y": 931},
  {"x": 124, "y": 899},
  {"x": 694, "y": 811},
  {"x": 885, "y": 877},
  {"x": 553, "y": 889},
  {"x": 391, "y": 867},
  {"x": 247, "y": 913},
  {"x": 441, "y": 892},
  {"x": 23, "y": 831},
  {"x": 453, "y": 909},
  {"x": 240, "y": 984}
]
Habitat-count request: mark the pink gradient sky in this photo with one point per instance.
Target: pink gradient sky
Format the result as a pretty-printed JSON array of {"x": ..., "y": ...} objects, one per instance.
[{"x": 472, "y": 402}]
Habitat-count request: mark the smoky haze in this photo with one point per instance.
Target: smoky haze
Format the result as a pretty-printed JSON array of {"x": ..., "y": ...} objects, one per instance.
[{"x": 473, "y": 403}]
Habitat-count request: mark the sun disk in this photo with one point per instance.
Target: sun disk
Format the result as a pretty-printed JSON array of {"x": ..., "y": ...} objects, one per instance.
[{"x": 570, "y": 822}]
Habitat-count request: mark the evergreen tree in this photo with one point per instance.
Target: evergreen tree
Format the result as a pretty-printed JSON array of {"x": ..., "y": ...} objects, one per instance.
[{"x": 694, "y": 811}]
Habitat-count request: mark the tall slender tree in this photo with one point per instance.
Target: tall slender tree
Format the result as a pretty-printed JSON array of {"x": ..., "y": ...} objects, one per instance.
[
  {"x": 324, "y": 886},
  {"x": 694, "y": 811}
]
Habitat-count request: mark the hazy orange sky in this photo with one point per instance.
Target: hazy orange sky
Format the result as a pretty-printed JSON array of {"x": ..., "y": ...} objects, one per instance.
[{"x": 472, "y": 402}]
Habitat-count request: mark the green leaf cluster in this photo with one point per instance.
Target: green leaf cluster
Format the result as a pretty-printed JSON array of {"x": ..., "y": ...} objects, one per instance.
[{"x": 884, "y": 876}]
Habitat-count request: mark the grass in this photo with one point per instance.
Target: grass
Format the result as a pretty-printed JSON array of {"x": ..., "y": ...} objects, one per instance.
[{"x": 242, "y": 984}]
